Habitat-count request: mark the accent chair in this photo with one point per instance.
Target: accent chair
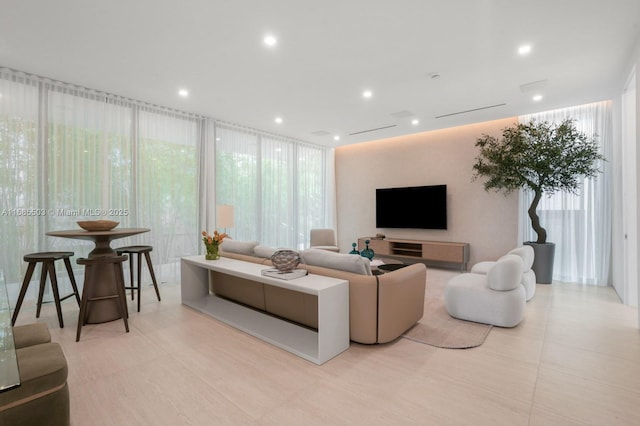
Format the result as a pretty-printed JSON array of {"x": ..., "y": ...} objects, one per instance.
[{"x": 324, "y": 239}]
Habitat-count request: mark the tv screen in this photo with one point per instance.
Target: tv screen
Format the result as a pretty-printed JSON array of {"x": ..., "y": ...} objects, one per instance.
[{"x": 418, "y": 207}]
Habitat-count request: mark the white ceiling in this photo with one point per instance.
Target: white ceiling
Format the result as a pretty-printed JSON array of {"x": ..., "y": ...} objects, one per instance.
[{"x": 328, "y": 52}]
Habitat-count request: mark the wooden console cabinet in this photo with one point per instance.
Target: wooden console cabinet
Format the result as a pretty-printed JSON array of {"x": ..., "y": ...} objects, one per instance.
[{"x": 435, "y": 251}]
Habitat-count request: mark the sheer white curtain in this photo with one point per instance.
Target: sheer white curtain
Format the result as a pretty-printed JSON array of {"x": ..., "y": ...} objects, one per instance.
[
  {"x": 579, "y": 225},
  {"x": 236, "y": 178},
  {"x": 278, "y": 224},
  {"x": 70, "y": 153},
  {"x": 207, "y": 176},
  {"x": 166, "y": 179},
  {"x": 66, "y": 150},
  {"x": 20, "y": 161},
  {"x": 316, "y": 191},
  {"x": 88, "y": 159},
  {"x": 277, "y": 185}
]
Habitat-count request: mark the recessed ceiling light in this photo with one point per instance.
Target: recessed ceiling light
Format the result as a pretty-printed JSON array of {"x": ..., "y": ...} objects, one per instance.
[
  {"x": 537, "y": 98},
  {"x": 270, "y": 40},
  {"x": 278, "y": 120},
  {"x": 336, "y": 138},
  {"x": 524, "y": 49},
  {"x": 183, "y": 92},
  {"x": 415, "y": 121},
  {"x": 367, "y": 94}
]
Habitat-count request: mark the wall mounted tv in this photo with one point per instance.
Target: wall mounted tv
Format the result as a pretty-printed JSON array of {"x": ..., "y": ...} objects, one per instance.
[{"x": 416, "y": 207}]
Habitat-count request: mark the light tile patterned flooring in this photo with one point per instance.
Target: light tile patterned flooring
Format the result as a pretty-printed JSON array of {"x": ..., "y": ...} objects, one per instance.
[{"x": 574, "y": 360}]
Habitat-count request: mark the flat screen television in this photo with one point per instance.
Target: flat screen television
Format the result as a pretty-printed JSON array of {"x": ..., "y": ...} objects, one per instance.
[{"x": 416, "y": 207}]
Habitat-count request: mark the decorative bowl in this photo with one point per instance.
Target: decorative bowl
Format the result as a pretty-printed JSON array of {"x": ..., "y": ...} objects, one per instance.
[
  {"x": 97, "y": 225},
  {"x": 285, "y": 260}
]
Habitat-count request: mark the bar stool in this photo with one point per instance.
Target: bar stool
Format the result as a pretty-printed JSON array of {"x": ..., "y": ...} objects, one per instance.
[
  {"x": 139, "y": 250},
  {"x": 48, "y": 268},
  {"x": 90, "y": 277}
]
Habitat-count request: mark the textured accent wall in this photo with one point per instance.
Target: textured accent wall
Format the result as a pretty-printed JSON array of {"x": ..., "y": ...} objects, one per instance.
[{"x": 485, "y": 220}]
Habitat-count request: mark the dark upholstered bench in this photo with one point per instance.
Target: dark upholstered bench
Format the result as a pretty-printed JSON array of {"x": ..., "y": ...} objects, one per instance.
[
  {"x": 30, "y": 334},
  {"x": 43, "y": 395}
]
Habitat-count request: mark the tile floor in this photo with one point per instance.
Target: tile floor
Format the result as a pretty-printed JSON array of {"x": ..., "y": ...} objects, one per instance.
[{"x": 574, "y": 360}]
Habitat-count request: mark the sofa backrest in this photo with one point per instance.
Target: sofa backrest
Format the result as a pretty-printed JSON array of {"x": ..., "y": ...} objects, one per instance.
[{"x": 342, "y": 262}]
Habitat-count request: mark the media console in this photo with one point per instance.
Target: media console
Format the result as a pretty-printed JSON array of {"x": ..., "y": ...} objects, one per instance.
[{"x": 435, "y": 251}]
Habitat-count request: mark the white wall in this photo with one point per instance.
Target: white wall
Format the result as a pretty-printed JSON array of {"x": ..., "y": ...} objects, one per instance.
[
  {"x": 629, "y": 290},
  {"x": 487, "y": 221},
  {"x": 626, "y": 238}
]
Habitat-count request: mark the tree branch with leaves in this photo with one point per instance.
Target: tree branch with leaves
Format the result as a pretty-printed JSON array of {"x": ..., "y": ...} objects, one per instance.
[{"x": 539, "y": 156}]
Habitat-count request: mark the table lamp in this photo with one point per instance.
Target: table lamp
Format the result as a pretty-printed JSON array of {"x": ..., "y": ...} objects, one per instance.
[{"x": 224, "y": 216}]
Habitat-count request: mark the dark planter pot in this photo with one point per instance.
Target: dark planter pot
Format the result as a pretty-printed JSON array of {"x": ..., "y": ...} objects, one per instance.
[{"x": 543, "y": 261}]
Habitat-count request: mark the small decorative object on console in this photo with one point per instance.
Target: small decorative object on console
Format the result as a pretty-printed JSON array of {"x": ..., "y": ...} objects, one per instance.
[
  {"x": 379, "y": 236},
  {"x": 274, "y": 273},
  {"x": 212, "y": 244},
  {"x": 354, "y": 251},
  {"x": 97, "y": 225},
  {"x": 367, "y": 252},
  {"x": 285, "y": 260}
]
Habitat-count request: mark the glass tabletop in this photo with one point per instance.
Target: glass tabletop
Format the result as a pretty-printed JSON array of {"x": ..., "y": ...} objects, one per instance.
[{"x": 9, "y": 374}]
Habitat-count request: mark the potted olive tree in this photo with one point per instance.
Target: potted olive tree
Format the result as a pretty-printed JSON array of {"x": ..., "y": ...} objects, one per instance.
[{"x": 541, "y": 157}]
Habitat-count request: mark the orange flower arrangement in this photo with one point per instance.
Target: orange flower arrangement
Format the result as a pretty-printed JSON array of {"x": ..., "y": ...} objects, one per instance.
[{"x": 212, "y": 243}]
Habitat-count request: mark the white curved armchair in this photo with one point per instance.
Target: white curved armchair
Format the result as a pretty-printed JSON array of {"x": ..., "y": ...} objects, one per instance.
[
  {"x": 528, "y": 275},
  {"x": 497, "y": 298}
]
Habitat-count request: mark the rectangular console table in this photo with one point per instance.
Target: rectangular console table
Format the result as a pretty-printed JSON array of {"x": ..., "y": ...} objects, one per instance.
[
  {"x": 436, "y": 251},
  {"x": 332, "y": 336}
]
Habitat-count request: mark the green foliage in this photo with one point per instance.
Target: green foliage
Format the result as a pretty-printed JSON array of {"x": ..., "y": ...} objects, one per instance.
[{"x": 542, "y": 157}]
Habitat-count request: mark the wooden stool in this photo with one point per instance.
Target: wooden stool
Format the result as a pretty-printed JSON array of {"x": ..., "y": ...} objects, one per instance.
[
  {"x": 139, "y": 250},
  {"x": 90, "y": 277},
  {"x": 48, "y": 267}
]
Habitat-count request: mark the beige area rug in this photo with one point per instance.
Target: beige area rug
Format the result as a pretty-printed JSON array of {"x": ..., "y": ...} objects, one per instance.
[{"x": 437, "y": 327}]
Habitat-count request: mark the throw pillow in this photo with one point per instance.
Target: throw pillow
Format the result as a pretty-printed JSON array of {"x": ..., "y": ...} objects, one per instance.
[
  {"x": 264, "y": 251},
  {"x": 241, "y": 247},
  {"x": 340, "y": 262}
]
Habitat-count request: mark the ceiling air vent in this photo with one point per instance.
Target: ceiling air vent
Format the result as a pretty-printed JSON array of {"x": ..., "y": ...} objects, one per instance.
[
  {"x": 371, "y": 130},
  {"x": 470, "y": 110},
  {"x": 534, "y": 86}
]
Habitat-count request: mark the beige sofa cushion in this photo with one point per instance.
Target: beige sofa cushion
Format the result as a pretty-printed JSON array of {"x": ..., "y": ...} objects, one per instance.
[
  {"x": 264, "y": 251},
  {"x": 241, "y": 247},
  {"x": 341, "y": 262}
]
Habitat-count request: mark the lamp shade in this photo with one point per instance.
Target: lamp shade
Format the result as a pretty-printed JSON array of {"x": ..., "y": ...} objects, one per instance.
[{"x": 224, "y": 216}]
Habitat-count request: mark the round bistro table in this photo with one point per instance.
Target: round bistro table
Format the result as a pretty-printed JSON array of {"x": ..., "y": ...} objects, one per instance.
[{"x": 104, "y": 310}]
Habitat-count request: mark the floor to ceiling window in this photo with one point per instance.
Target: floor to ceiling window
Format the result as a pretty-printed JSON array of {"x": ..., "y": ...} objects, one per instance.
[
  {"x": 276, "y": 185},
  {"x": 69, "y": 153},
  {"x": 579, "y": 224}
]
